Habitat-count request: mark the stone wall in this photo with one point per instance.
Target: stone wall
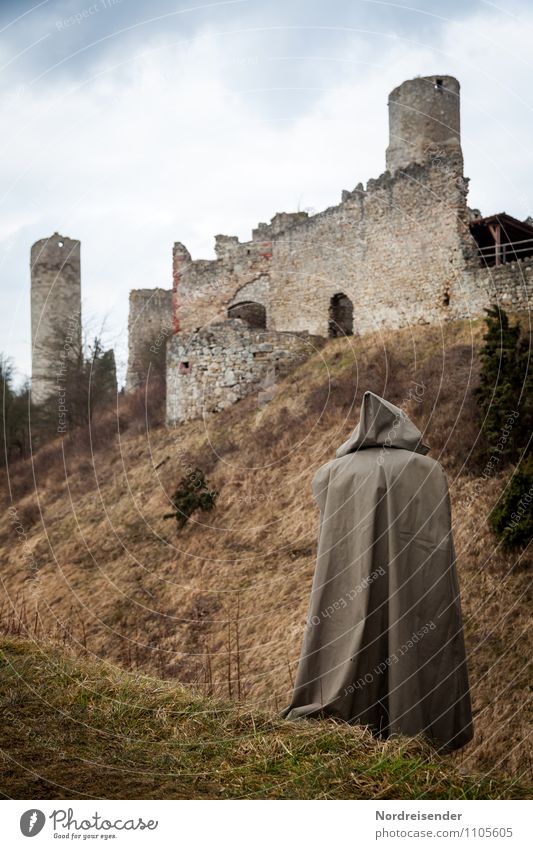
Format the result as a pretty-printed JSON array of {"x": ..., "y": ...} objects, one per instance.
[
  {"x": 55, "y": 312},
  {"x": 256, "y": 290},
  {"x": 203, "y": 289},
  {"x": 215, "y": 367},
  {"x": 509, "y": 285},
  {"x": 395, "y": 249},
  {"x": 149, "y": 326}
]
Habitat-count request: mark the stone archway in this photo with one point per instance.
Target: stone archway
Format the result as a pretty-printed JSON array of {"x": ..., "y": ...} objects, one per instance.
[
  {"x": 340, "y": 316},
  {"x": 253, "y": 313}
]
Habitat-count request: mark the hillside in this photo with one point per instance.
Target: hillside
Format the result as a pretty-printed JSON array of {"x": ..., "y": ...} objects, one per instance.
[
  {"x": 77, "y": 730},
  {"x": 222, "y": 605}
]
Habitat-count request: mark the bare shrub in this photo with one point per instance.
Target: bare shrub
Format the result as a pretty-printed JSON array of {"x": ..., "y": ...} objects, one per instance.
[{"x": 144, "y": 409}]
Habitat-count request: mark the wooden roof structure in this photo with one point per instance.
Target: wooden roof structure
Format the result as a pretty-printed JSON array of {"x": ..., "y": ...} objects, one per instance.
[{"x": 502, "y": 238}]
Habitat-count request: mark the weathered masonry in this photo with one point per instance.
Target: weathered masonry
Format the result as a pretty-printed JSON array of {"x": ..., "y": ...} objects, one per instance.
[
  {"x": 230, "y": 359},
  {"x": 149, "y": 327},
  {"x": 55, "y": 312},
  {"x": 403, "y": 249},
  {"x": 56, "y": 330}
]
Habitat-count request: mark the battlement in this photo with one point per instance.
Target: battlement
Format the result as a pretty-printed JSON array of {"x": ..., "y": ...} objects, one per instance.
[
  {"x": 424, "y": 120},
  {"x": 55, "y": 251}
]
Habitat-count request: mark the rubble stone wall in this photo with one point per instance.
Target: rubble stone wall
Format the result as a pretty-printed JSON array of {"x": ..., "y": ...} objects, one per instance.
[
  {"x": 215, "y": 367},
  {"x": 509, "y": 285},
  {"x": 396, "y": 249}
]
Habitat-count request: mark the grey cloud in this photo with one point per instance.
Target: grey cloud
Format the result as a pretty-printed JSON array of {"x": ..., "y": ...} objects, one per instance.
[{"x": 70, "y": 38}]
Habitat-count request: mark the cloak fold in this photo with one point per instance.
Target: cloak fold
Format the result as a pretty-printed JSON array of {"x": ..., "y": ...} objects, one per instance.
[{"x": 383, "y": 644}]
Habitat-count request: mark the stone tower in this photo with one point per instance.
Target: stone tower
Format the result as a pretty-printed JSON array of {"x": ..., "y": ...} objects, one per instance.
[
  {"x": 149, "y": 327},
  {"x": 55, "y": 312},
  {"x": 424, "y": 122}
]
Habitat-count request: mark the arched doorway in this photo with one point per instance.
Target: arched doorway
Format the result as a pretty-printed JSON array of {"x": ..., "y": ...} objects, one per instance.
[
  {"x": 340, "y": 316},
  {"x": 251, "y": 312}
]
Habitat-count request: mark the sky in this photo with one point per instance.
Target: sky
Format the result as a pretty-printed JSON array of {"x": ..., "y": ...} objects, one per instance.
[{"x": 131, "y": 125}]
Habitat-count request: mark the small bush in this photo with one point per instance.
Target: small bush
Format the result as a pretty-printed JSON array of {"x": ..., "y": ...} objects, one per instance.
[
  {"x": 512, "y": 517},
  {"x": 191, "y": 494}
]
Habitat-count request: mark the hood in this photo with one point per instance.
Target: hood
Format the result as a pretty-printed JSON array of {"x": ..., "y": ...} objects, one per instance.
[{"x": 383, "y": 424}]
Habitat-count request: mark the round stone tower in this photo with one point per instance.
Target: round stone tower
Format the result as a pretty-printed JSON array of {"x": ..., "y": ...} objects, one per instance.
[
  {"x": 55, "y": 312},
  {"x": 424, "y": 122}
]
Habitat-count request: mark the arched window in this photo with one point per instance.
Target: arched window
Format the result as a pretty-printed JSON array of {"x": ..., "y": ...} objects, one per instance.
[
  {"x": 250, "y": 311},
  {"x": 340, "y": 316}
]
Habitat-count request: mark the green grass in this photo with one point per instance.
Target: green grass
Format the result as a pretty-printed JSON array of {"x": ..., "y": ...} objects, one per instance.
[{"x": 77, "y": 729}]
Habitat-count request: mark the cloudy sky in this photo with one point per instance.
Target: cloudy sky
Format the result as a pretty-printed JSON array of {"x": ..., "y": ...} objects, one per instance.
[{"x": 130, "y": 124}]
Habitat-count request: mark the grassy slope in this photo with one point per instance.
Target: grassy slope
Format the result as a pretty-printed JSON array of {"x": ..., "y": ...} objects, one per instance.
[
  {"x": 223, "y": 604},
  {"x": 77, "y": 729}
]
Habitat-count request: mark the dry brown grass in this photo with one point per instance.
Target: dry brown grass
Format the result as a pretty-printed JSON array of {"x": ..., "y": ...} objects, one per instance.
[{"x": 116, "y": 581}]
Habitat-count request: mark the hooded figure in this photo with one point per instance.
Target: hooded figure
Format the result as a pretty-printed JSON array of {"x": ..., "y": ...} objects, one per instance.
[{"x": 383, "y": 644}]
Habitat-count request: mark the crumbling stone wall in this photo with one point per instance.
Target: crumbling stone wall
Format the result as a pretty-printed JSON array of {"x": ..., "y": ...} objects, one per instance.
[
  {"x": 204, "y": 289},
  {"x": 149, "y": 327},
  {"x": 214, "y": 367},
  {"x": 55, "y": 313},
  {"x": 395, "y": 249},
  {"x": 388, "y": 246}
]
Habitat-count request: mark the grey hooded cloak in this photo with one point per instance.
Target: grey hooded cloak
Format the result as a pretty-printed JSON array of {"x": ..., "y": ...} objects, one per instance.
[{"x": 383, "y": 644}]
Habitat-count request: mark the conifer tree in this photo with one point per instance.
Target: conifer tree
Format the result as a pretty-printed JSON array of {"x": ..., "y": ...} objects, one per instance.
[
  {"x": 192, "y": 493},
  {"x": 512, "y": 517},
  {"x": 501, "y": 388}
]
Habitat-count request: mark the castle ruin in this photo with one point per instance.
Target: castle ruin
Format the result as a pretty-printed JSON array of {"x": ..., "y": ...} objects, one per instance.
[{"x": 404, "y": 249}]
